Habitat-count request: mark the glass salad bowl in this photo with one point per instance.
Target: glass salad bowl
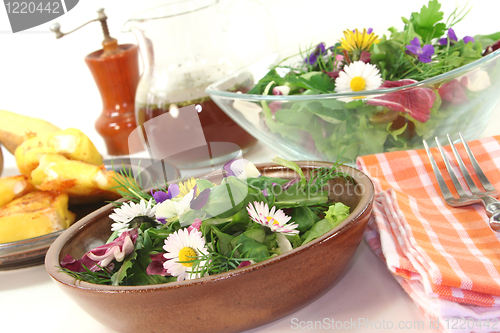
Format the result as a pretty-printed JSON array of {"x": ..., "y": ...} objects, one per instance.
[{"x": 342, "y": 126}]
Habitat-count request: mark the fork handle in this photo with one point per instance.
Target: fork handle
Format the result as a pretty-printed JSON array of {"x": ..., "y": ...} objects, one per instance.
[{"x": 492, "y": 206}]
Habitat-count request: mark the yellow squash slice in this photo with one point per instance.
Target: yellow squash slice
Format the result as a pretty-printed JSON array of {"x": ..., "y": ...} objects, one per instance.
[
  {"x": 70, "y": 143},
  {"x": 16, "y": 128},
  {"x": 34, "y": 214},
  {"x": 84, "y": 182},
  {"x": 13, "y": 187}
]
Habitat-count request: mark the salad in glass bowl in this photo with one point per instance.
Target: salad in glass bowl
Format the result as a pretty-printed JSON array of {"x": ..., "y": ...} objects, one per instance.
[{"x": 367, "y": 94}]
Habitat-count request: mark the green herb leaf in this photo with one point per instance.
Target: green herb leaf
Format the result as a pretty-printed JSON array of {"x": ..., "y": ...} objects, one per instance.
[
  {"x": 271, "y": 76},
  {"x": 293, "y": 166},
  {"x": 250, "y": 248},
  {"x": 426, "y": 22},
  {"x": 318, "y": 82}
]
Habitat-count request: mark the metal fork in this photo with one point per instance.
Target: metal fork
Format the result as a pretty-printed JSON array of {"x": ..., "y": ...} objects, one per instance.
[{"x": 485, "y": 197}]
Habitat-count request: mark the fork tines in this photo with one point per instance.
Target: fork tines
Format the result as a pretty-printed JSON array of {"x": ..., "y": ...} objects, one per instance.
[{"x": 464, "y": 197}]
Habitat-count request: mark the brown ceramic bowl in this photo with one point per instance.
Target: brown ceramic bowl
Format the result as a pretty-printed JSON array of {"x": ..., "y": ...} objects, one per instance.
[{"x": 229, "y": 302}]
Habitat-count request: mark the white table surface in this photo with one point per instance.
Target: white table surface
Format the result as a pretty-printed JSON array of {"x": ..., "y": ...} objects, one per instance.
[{"x": 42, "y": 77}]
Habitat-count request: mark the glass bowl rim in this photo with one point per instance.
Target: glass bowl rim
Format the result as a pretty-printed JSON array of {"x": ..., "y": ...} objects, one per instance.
[{"x": 214, "y": 91}]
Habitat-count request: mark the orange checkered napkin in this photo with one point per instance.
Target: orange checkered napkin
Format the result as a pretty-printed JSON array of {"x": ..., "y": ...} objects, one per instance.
[{"x": 435, "y": 251}]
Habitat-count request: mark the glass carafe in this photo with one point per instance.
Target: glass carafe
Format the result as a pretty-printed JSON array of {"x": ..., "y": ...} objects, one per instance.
[{"x": 185, "y": 46}]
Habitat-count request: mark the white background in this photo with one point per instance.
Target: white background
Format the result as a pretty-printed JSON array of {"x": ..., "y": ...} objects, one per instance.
[{"x": 47, "y": 78}]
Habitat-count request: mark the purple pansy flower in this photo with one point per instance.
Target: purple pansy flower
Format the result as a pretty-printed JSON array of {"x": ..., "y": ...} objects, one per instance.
[
  {"x": 453, "y": 38},
  {"x": 423, "y": 53},
  {"x": 160, "y": 196},
  {"x": 318, "y": 51}
]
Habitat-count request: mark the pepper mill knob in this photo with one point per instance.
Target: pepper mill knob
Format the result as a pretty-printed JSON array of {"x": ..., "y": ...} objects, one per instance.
[{"x": 56, "y": 28}]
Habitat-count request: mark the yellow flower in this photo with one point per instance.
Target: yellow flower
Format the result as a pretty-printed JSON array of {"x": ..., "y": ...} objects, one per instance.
[
  {"x": 187, "y": 186},
  {"x": 357, "y": 42}
]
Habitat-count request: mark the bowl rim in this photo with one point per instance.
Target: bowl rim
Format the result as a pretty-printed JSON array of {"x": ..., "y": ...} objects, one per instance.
[
  {"x": 214, "y": 91},
  {"x": 364, "y": 206}
]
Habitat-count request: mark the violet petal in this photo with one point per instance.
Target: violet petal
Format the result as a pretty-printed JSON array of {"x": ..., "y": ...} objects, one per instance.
[
  {"x": 311, "y": 60},
  {"x": 414, "y": 49},
  {"x": 468, "y": 39},
  {"x": 227, "y": 168},
  {"x": 424, "y": 59},
  {"x": 415, "y": 42},
  {"x": 428, "y": 50},
  {"x": 443, "y": 41},
  {"x": 160, "y": 196},
  {"x": 200, "y": 201},
  {"x": 173, "y": 190},
  {"x": 452, "y": 35}
]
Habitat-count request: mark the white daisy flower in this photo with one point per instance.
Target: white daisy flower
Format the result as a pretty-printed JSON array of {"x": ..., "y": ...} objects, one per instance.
[
  {"x": 274, "y": 220},
  {"x": 357, "y": 76},
  {"x": 182, "y": 247},
  {"x": 130, "y": 210}
]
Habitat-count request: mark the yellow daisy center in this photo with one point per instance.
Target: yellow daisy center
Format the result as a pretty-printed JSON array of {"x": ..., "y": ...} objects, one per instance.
[
  {"x": 358, "y": 83},
  {"x": 187, "y": 254},
  {"x": 269, "y": 219}
]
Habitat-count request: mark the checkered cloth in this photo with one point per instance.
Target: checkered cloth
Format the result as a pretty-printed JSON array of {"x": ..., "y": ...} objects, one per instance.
[{"x": 447, "y": 259}]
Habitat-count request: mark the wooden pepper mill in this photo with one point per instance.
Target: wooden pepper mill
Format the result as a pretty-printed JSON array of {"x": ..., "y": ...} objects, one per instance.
[{"x": 115, "y": 69}]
